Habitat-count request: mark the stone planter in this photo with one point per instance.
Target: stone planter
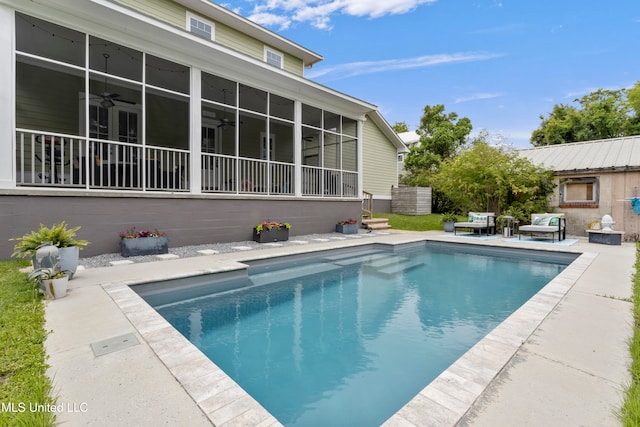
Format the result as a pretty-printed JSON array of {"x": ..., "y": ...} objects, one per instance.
[
  {"x": 144, "y": 246},
  {"x": 605, "y": 237},
  {"x": 54, "y": 288},
  {"x": 347, "y": 228},
  {"x": 69, "y": 259},
  {"x": 448, "y": 226},
  {"x": 273, "y": 235}
]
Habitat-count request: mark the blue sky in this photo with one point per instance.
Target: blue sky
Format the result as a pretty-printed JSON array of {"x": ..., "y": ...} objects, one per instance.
[{"x": 502, "y": 64}]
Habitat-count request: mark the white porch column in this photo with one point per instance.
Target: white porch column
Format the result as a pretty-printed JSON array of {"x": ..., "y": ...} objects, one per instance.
[
  {"x": 7, "y": 106},
  {"x": 359, "y": 155},
  {"x": 297, "y": 149},
  {"x": 195, "y": 133}
]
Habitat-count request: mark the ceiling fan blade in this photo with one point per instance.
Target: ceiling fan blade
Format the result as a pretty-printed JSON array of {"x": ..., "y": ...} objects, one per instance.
[
  {"x": 107, "y": 103},
  {"x": 126, "y": 101}
]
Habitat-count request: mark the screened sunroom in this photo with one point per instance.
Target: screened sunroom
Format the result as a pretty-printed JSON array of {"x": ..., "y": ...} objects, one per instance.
[{"x": 93, "y": 114}]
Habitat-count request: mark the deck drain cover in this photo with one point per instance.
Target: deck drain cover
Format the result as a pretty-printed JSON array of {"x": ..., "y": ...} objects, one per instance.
[{"x": 110, "y": 345}]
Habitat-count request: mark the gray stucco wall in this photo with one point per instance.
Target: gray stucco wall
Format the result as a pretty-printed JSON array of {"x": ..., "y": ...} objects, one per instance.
[{"x": 187, "y": 221}]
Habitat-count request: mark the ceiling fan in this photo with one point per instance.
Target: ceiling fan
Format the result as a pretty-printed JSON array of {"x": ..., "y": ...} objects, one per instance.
[
  {"x": 224, "y": 122},
  {"x": 107, "y": 97}
]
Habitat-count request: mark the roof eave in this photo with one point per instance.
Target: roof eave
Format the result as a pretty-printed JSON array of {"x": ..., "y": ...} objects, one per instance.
[{"x": 613, "y": 169}]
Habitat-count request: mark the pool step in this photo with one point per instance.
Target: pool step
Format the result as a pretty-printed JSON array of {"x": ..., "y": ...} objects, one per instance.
[
  {"x": 384, "y": 262},
  {"x": 290, "y": 273},
  {"x": 351, "y": 254},
  {"x": 359, "y": 259},
  {"x": 398, "y": 268}
]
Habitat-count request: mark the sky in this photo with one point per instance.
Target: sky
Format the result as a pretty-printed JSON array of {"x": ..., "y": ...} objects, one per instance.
[{"x": 502, "y": 64}]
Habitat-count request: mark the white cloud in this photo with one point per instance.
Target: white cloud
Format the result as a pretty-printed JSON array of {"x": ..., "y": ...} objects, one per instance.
[
  {"x": 271, "y": 20},
  {"x": 477, "y": 97},
  {"x": 577, "y": 94},
  {"x": 369, "y": 67},
  {"x": 318, "y": 12}
]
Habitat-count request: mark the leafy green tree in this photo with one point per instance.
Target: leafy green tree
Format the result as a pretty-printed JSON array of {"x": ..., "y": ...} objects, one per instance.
[
  {"x": 493, "y": 179},
  {"x": 401, "y": 127},
  {"x": 601, "y": 114},
  {"x": 561, "y": 126},
  {"x": 633, "y": 96},
  {"x": 441, "y": 135}
]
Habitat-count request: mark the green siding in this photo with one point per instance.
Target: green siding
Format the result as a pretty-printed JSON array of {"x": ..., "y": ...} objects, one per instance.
[
  {"x": 175, "y": 14},
  {"x": 163, "y": 10},
  {"x": 35, "y": 96},
  {"x": 379, "y": 161}
]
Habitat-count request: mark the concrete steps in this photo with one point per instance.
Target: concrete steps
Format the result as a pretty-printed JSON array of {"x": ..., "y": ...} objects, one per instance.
[{"x": 376, "y": 223}]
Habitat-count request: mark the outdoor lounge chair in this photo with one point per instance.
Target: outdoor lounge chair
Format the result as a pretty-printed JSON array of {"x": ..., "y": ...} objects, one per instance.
[
  {"x": 478, "y": 221},
  {"x": 546, "y": 223}
]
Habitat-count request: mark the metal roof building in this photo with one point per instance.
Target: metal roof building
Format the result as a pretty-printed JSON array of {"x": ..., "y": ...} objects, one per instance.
[{"x": 605, "y": 155}]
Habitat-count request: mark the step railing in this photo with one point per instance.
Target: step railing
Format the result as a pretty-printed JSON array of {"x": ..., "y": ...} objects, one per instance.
[{"x": 367, "y": 205}]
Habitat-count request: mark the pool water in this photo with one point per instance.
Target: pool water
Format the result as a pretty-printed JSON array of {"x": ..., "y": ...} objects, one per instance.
[{"x": 347, "y": 339}]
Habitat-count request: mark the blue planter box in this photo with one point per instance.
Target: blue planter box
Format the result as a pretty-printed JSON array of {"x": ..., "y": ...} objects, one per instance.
[
  {"x": 273, "y": 235},
  {"x": 144, "y": 246},
  {"x": 347, "y": 228}
]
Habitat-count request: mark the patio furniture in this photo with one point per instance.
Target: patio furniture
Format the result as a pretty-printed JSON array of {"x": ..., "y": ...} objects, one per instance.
[
  {"x": 478, "y": 221},
  {"x": 546, "y": 223}
]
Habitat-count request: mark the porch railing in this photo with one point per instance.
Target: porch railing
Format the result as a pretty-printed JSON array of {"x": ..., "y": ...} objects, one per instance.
[
  {"x": 228, "y": 174},
  {"x": 59, "y": 160},
  {"x": 317, "y": 181}
]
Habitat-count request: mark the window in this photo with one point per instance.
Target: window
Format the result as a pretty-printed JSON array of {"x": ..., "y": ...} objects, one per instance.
[
  {"x": 200, "y": 27},
  {"x": 579, "y": 192},
  {"x": 274, "y": 58}
]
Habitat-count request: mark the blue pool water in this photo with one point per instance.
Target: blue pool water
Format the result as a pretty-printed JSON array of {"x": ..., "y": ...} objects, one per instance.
[{"x": 346, "y": 339}]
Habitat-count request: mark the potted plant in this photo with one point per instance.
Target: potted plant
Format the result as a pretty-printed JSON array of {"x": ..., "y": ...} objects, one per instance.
[
  {"x": 52, "y": 281},
  {"x": 347, "y": 226},
  {"x": 271, "y": 231},
  {"x": 448, "y": 219},
  {"x": 60, "y": 236},
  {"x": 143, "y": 242}
]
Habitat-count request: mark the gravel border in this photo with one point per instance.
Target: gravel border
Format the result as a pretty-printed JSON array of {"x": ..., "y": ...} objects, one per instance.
[{"x": 106, "y": 260}]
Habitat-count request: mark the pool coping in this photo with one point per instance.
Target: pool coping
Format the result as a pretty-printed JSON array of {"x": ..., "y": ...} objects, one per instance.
[{"x": 446, "y": 399}]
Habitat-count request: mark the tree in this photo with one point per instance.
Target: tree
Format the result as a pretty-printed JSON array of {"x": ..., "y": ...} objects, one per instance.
[
  {"x": 561, "y": 126},
  {"x": 633, "y": 96},
  {"x": 441, "y": 135},
  {"x": 400, "y": 127},
  {"x": 602, "y": 114},
  {"x": 493, "y": 179}
]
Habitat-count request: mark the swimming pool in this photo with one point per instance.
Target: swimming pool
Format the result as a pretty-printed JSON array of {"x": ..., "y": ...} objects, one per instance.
[{"x": 336, "y": 322}]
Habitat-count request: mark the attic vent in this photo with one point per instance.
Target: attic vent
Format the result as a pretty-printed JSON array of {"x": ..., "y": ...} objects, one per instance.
[
  {"x": 200, "y": 27},
  {"x": 273, "y": 57}
]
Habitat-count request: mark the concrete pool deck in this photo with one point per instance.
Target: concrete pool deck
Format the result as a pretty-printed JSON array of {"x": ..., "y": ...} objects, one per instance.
[{"x": 561, "y": 359}]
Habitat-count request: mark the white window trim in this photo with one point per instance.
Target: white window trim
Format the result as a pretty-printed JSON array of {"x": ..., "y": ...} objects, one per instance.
[
  {"x": 583, "y": 180},
  {"x": 200, "y": 19},
  {"x": 268, "y": 50}
]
